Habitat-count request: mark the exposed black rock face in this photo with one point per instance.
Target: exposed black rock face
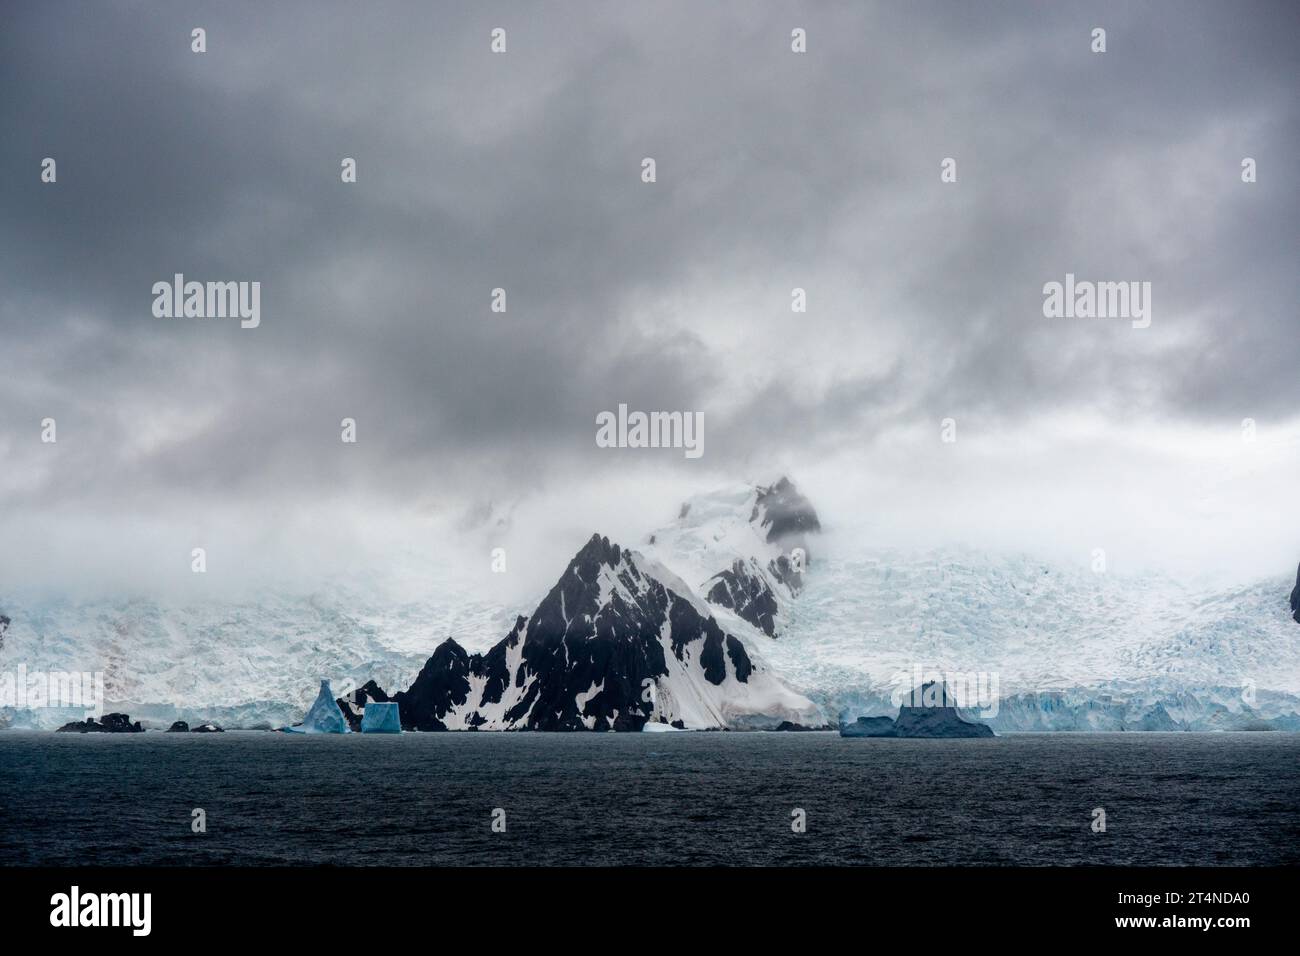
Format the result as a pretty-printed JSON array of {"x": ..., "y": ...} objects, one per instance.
[
  {"x": 746, "y": 593},
  {"x": 786, "y": 518},
  {"x": 181, "y": 727},
  {"x": 442, "y": 683},
  {"x": 370, "y": 692},
  {"x": 4, "y": 626},
  {"x": 1295, "y": 600},
  {"x": 740, "y": 661},
  {"x": 494, "y": 668},
  {"x": 583, "y": 660},
  {"x": 931, "y": 713},
  {"x": 109, "y": 724},
  {"x": 354, "y": 704},
  {"x": 784, "y": 512},
  {"x": 574, "y": 642}
]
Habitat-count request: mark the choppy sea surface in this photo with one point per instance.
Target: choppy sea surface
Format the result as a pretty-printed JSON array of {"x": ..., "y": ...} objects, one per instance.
[{"x": 648, "y": 799}]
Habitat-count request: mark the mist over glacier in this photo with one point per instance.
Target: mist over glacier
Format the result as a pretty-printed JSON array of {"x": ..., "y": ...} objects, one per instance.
[{"x": 252, "y": 654}]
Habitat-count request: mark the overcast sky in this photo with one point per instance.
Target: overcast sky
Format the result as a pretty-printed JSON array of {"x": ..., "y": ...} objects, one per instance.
[{"x": 522, "y": 170}]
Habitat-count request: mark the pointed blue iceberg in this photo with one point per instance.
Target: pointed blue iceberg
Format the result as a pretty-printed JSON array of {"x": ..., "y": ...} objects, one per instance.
[
  {"x": 324, "y": 716},
  {"x": 381, "y": 719}
]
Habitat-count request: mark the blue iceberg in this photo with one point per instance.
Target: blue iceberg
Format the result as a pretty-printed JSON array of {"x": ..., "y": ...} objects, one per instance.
[
  {"x": 381, "y": 719},
  {"x": 932, "y": 713},
  {"x": 324, "y": 716}
]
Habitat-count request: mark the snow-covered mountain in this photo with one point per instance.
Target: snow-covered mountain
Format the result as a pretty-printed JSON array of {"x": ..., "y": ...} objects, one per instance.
[
  {"x": 1070, "y": 649},
  {"x": 745, "y": 549},
  {"x": 617, "y": 643}
]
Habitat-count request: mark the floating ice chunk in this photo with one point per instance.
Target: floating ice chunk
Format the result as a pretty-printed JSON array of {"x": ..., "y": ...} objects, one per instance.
[
  {"x": 381, "y": 719},
  {"x": 324, "y": 716}
]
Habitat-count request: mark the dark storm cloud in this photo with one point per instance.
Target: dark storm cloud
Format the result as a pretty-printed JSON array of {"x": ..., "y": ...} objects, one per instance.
[{"x": 522, "y": 171}]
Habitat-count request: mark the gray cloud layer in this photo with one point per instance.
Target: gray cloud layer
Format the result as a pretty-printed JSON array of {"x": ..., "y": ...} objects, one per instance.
[{"x": 522, "y": 171}]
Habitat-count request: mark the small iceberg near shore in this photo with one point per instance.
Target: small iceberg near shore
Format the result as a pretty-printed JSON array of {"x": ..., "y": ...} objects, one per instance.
[
  {"x": 932, "y": 713},
  {"x": 324, "y": 717},
  {"x": 381, "y": 718},
  {"x": 652, "y": 727}
]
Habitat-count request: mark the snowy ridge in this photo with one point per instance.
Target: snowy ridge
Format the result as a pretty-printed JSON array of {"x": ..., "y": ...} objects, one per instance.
[
  {"x": 736, "y": 547},
  {"x": 619, "y": 642}
]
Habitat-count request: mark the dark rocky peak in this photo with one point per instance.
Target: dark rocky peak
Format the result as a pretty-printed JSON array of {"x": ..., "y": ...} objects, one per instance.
[
  {"x": 602, "y": 593},
  {"x": 598, "y": 550},
  {"x": 442, "y": 683},
  {"x": 583, "y": 659},
  {"x": 784, "y": 512}
]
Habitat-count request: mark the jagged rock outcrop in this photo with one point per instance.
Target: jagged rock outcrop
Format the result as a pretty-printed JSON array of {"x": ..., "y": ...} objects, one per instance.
[
  {"x": 181, "y": 727},
  {"x": 749, "y": 595},
  {"x": 747, "y": 546},
  {"x": 108, "y": 724},
  {"x": 929, "y": 711},
  {"x": 618, "y": 642},
  {"x": 4, "y": 626}
]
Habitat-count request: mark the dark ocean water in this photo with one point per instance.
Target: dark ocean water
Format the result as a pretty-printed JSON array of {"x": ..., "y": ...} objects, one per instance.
[{"x": 650, "y": 799}]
